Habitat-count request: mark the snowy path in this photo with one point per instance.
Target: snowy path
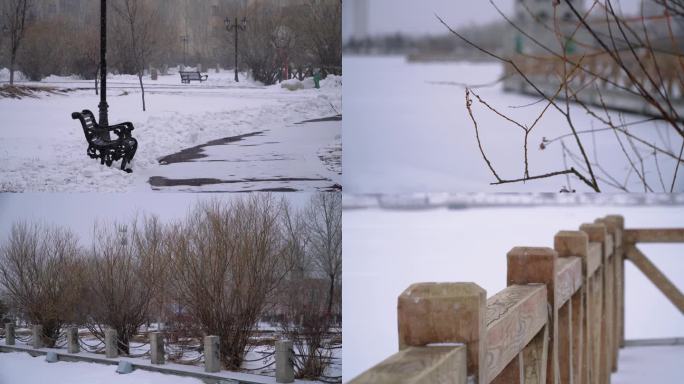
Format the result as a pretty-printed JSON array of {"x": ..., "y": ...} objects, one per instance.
[
  {"x": 283, "y": 160},
  {"x": 385, "y": 251},
  {"x": 43, "y": 150}
]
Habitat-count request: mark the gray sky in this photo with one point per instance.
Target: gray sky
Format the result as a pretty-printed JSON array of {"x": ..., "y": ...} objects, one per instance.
[
  {"x": 416, "y": 17},
  {"x": 80, "y": 211}
]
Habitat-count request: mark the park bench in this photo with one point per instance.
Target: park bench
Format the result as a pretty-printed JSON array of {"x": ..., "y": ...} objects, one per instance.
[
  {"x": 187, "y": 77},
  {"x": 123, "y": 147}
]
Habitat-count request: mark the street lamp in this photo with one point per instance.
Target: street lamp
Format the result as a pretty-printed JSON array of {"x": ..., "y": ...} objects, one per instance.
[
  {"x": 103, "y": 107},
  {"x": 234, "y": 25},
  {"x": 185, "y": 39}
]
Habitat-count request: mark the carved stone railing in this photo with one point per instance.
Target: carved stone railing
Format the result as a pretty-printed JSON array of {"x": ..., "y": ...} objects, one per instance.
[{"x": 560, "y": 320}]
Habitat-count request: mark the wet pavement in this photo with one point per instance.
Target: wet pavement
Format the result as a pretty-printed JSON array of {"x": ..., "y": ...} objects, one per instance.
[{"x": 305, "y": 156}]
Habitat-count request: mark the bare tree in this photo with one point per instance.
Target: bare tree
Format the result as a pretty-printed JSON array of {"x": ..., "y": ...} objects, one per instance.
[
  {"x": 13, "y": 18},
  {"x": 141, "y": 21},
  {"x": 307, "y": 323},
  {"x": 312, "y": 291},
  {"x": 323, "y": 31},
  {"x": 126, "y": 269},
  {"x": 41, "y": 271},
  {"x": 227, "y": 260},
  {"x": 324, "y": 225},
  {"x": 579, "y": 62},
  {"x": 258, "y": 48}
]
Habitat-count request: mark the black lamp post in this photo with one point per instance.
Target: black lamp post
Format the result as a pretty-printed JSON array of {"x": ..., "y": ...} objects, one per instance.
[
  {"x": 185, "y": 39},
  {"x": 234, "y": 25},
  {"x": 104, "y": 107}
]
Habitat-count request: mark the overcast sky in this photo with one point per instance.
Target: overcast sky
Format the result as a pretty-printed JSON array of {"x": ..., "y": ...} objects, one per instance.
[
  {"x": 80, "y": 211},
  {"x": 417, "y": 17}
]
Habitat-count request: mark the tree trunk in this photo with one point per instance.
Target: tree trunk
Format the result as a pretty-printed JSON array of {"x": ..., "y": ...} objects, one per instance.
[
  {"x": 142, "y": 88},
  {"x": 12, "y": 60},
  {"x": 331, "y": 294}
]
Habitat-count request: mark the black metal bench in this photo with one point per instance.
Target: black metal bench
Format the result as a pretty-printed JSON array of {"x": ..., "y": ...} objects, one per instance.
[
  {"x": 187, "y": 77},
  {"x": 123, "y": 147}
]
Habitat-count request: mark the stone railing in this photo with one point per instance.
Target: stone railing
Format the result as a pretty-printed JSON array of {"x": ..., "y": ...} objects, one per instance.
[{"x": 212, "y": 364}]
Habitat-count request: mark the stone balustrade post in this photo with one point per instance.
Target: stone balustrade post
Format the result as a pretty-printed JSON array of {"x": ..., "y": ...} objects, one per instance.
[
  {"x": 157, "y": 348},
  {"x": 111, "y": 348},
  {"x": 72, "y": 340},
  {"x": 9, "y": 334},
  {"x": 212, "y": 356},
  {"x": 37, "y": 336},
  {"x": 284, "y": 361}
]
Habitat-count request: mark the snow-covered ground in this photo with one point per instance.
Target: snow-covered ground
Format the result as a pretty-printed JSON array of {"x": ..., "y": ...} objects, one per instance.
[
  {"x": 407, "y": 129},
  {"x": 22, "y": 368},
  {"x": 43, "y": 149},
  {"x": 385, "y": 251}
]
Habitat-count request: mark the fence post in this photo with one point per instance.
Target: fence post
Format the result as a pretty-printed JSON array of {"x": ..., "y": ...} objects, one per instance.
[
  {"x": 212, "y": 360},
  {"x": 431, "y": 313},
  {"x": 9, "y": 334},
  {"x": 569, "y": 244},
  {"x": 284, "y": 366},
  {"x": 529, "y": 265},
  {"x": 37, "y": 336},
  {"x": 597, "y": 233},
  {"x": 616, "y": 225},
  {"x": 72, "y": 340},
  {"x": 111, "y": 347},
  {"x": 157, "y": 348}
]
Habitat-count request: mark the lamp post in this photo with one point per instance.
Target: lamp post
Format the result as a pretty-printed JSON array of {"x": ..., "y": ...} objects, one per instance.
[
  {"x": 234, "y": 25},
  {"x": 185, "y": 39},
  {"x": 103, "y": 107}
]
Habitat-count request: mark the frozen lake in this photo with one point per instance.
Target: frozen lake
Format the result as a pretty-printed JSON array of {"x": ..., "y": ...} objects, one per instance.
[{"x": 406, "y": 129}]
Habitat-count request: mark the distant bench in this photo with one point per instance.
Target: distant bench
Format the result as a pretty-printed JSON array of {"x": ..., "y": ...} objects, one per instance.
[{"x": 187, "y": 77}]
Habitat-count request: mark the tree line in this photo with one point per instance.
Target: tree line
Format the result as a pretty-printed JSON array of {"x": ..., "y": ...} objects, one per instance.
[
  {"x": 219, "y": 271},
  {"x": 144, "y": 33}
]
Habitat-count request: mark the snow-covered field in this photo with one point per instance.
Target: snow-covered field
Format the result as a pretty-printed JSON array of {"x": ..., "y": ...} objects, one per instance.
[
  {"x": 407, "y": 129},
  {"x": 43, "y": 149},
  {"x": 385, "y": 251},
  {"x": 21, "y": 368}
]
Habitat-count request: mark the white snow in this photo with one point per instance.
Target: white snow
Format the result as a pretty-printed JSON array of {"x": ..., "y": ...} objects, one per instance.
[
  {"x": 657, "y": 365},
  {"x": 385, "y": 251},
  {"x": 24, "y": 369},
  {"x": 43, "y": 149},
  {"x": 406, "y": 129}
]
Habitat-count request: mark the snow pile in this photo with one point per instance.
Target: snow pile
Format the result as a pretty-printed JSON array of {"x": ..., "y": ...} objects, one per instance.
[
  {"x": 331, "y": 82},
  {"x": 295, "y": 84},
  {"x": 5, "y": 75}
]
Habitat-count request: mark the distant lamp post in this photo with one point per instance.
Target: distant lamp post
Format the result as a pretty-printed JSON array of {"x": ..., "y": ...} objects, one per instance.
[
  {"x": 234, "y": 25},
  {"x": 103, "y": 107},
  {"x": 185, "y": 39}
]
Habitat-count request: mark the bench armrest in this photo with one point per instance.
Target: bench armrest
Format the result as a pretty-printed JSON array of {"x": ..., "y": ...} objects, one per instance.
[{"x": 122, "y": 130}]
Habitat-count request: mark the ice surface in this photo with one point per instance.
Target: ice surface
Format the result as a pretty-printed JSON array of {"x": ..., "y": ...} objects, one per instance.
[
  {"x": 385, "y": 251},
  {"x": 407, "y": 129}
]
